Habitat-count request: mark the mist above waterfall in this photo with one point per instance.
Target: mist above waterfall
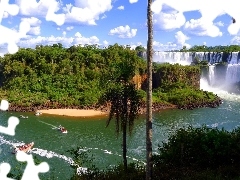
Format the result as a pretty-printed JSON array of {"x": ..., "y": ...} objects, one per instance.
[{"x": 227, "y": 78}]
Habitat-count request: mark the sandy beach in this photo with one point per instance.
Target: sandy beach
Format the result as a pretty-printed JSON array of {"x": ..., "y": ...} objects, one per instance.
[{"x": 73, "y": 112}]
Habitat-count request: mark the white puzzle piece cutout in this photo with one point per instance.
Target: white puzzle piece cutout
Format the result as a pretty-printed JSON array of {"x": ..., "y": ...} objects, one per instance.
[
  {"x": 31, "y": 170},
  {"x": 12, "y": 121},
  {"x": 4, "y": 170}
]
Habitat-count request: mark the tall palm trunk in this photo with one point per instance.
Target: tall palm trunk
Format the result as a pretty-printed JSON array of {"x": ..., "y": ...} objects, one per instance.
[
  {"x": 125, "y": 147},
  {"x": 124, "y": 129},
  {"x": 149, "y": 165}
]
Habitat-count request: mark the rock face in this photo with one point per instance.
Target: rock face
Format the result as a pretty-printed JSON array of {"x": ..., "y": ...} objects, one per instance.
[
  {"x": 139, "y": 80},
  {"x": 168, "y": 75}
]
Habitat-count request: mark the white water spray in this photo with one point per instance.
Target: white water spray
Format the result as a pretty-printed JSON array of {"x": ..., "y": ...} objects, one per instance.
[
  {"x": 54, "y": 127},
  {"x": 221, "y": 93}
]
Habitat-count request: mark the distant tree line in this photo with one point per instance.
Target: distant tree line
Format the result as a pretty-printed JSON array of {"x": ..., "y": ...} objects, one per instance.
[{"x": 204, "y": 48}]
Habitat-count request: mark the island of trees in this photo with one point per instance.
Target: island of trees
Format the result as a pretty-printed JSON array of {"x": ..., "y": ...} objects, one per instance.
[{"x": 53, "y": 76}]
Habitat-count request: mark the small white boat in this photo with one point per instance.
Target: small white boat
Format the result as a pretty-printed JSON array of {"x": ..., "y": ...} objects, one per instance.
[
  {"x": 24, "y": 117},
  {"x": 62, "y": 129},
  {"x": 38, "y": 113},
  {"x": 25, "y": 148}
]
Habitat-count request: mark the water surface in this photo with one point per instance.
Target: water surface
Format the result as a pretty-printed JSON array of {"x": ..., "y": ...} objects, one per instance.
[{"x": 92, "y": 135}]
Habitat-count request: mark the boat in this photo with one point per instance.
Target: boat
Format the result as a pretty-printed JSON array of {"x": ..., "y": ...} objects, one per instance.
[
  {"x": 38, "y": 113},
  {"x": 25, "y": 148},
  {"x": 62, "y": 129},
  {"x": 24, "y": 117}
]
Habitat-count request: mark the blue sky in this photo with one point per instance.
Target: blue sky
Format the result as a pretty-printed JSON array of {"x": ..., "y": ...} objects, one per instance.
[{"x": 177, "y": 23}]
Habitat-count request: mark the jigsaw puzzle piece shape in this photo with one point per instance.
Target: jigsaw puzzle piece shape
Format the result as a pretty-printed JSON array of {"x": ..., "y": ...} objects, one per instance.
[
  {"x": 4, "y": 170},
  {"x": 11, "y": 9},
  {"x": 12, "y": 123},
  {"x": 31, "y": 170},
  {"x": 4, "y": 105}
]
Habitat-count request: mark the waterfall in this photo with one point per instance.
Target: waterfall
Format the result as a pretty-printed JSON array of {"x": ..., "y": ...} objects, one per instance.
[
  {"x": 233, "y": 58},
  {"x": 211, "y": 75},
  {"x": 217, "y": 76},
  {"x": 186, "y": 58},
  {"x": 183, "y": 58},
  {"x": 232, "y": 74}
]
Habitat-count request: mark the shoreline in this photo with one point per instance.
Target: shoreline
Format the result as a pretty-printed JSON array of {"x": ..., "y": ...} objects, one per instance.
[
  {"x": 79, "y": 111},
  {"x": 93, "y": 112},
  {"x": 103, "y": 110},
  {"x": 74, "y": 112}
]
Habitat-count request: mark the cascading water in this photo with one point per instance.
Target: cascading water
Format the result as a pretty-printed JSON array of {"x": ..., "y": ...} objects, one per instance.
[
  {"x": 221, "y": 78},
  {"x": 186, "y": 58},
  {"x": 211, "y": 75},
  {"x": 234, "y": 58},
  {"x": 172, "y": 57},
  {"x": 232, "y": 74}
]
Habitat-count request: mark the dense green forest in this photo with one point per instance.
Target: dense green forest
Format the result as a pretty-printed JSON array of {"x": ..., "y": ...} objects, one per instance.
[{"x": 78, "y": 76}]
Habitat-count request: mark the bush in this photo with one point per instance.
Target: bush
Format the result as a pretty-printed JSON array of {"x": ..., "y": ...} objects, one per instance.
[{"x": 201, "y": 147}]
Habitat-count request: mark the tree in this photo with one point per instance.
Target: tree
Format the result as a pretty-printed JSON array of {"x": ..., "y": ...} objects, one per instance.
[
  {"x": 125, "y": 103},
  {"x": 149, "y": 164}
]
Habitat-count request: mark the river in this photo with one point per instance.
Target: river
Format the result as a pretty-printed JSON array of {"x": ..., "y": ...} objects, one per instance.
[{"x": 101, "y": 143}]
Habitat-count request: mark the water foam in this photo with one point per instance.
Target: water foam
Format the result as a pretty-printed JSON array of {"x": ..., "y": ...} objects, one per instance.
[
  {"x": 111, "y": 153},
  {"x": 45, "y": 153}
]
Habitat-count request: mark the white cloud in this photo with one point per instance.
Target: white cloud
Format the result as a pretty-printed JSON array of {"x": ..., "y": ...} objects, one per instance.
[
  {"x": 169, "y": 21},
  {"x": 35, "y": 30},
  {"x": 86, "y": 12},
  {"x": 44, "y": 8},
  {"x": 79, "y": 39},
  {"x": 181, "y": 38},
  {"x": 104, "y": 16},
  {"x": 66, "y": 41},
  {"x": 180, "y": 41},
  {"x": 69, "y": 28},
  {"x": 33, "y": 21},
  {"x": 164, "y": 47},
  {"x": 209, "y": 10},
  {"x": 123, "y": 32},
  {"x": 133, "y": 1},
  {"x": 11, "y": 37},
  {"x": 235, "y": 40},
  {"x": 40, "y": 40},
  {"x": 35, "y": 25},
  {"x": 121, "y": 7},
  {"x": 134, "y": 45},
  {"x": 200, "y": 28},
  {"x": 7, "y": 9},
  {"x": 64, "y": 33},
  {"x": 219, "y": 23},
  {"x": 105, "y": 43}
]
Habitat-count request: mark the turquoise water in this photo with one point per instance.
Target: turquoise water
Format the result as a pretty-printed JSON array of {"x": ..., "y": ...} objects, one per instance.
[{"x": 91, "y": 134}]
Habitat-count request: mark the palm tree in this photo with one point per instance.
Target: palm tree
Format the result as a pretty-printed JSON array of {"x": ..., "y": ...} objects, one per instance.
[
  {"x": 149, "y": 164},
  {"x": 125, "y": 103}
]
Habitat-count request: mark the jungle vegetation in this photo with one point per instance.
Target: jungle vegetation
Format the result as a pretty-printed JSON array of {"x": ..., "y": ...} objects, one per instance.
[
  {"x": 190, "y": 153},
  {"x": 53, "y": 76}
]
